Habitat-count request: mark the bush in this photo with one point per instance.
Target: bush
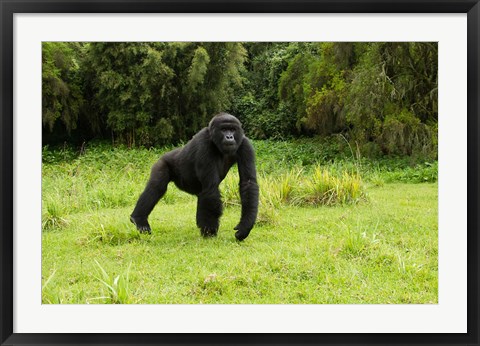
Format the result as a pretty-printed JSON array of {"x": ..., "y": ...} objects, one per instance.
[{"x": 404, "y": 134}]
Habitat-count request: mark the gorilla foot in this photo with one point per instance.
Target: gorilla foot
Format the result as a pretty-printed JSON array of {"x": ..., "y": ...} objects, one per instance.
[
  {"x": 208, "y": 232},
  {"x": 141, "y": 224}
]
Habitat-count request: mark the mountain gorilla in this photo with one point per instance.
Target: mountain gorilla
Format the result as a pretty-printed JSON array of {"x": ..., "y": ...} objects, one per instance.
[{"x": 198, "y": 168}]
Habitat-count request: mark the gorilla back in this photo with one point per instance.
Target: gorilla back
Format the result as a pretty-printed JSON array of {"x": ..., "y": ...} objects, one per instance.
[{"x": 198, "y": 168}]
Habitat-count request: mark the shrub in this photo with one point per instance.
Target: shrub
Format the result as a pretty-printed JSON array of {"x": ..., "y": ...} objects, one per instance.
[{"x": 404, "y": 134}]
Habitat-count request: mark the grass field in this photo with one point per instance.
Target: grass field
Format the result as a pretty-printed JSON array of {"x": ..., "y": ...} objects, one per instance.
[{"x": 378, "y": 248}]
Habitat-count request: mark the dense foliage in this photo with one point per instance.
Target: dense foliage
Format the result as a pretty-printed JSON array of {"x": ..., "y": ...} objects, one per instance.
[{"x": 381, "y": 97}]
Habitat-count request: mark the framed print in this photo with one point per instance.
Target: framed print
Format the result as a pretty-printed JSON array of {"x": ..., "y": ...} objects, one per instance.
[{"x": 343, "y": 135}]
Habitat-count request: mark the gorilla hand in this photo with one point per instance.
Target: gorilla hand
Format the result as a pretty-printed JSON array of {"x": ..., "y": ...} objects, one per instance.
[
  {"x": 141, "y": 224},
  {"x": 242, "y": 232}
]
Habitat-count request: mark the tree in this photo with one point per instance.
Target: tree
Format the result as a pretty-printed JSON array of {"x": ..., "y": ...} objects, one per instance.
[
  {"x": 126, "y": 79},
  {"x": 381, "y": 95},
  {"x": 62, "y": 97},
  {"x": 392, "y": 98},
  {"x": 161, "y": 92}
]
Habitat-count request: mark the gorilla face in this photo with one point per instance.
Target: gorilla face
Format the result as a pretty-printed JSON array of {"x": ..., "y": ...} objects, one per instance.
[{"x": 226, "y": 132}]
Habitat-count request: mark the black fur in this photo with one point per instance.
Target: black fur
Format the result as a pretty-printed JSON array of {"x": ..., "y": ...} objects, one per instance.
[{"x": 198, "y": 168}]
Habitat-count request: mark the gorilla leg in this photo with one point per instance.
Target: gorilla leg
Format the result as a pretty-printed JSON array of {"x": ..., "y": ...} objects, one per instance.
[
  {"x": 209, "y": 210},
  {"x": 155, "y": 189}
]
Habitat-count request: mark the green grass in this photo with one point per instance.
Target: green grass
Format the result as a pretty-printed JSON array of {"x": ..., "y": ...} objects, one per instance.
[{"x": 381, "y": 248}]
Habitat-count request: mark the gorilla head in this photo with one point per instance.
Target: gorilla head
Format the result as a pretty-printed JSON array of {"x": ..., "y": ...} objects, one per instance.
[
  {"x": 198, "y": 168},
  {"x": 226, "y": 132}
]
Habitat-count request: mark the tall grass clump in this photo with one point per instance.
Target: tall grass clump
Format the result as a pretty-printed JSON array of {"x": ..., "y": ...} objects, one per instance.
[
  {"x": 229, "y": 189},
  {"x": 53, "y": 216},
  {"x": 269, "y": 201},
  {"x": 320, "y": 186},
  {"x": 287, "y": 184},
  {"x": 324, "y": 188}
]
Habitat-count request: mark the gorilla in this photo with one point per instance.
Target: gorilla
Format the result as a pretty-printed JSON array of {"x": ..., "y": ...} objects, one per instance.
[{"x": 198, "y": 168}]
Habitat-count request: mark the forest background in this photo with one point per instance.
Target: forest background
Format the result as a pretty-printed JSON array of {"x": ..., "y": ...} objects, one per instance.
[{"x": 381, "y": 96}]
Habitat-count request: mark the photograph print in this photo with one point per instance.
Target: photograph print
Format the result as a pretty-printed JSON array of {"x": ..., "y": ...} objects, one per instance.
[{"x": 239, "y": 173}]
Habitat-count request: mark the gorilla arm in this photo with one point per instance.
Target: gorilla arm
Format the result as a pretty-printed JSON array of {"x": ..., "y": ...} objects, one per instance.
[
  {"x": 248, "y": 189},
  {"x": 209, "y": 210},
  {"x": 209, "y": 203}
]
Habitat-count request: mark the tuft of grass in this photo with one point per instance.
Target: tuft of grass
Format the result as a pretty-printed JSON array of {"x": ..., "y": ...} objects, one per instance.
[
  {"x": 109, "y": 234},
  {"x": 53, "y": 217},
  {"x": 117, "y": 286},
  {"x": 323, "y": 187},
  {"x": 356, "y": 244},
  {"x": 377, "y": 180}
]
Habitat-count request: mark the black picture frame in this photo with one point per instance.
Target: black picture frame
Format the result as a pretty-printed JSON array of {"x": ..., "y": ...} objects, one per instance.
[{"x": 10, "y": 7}]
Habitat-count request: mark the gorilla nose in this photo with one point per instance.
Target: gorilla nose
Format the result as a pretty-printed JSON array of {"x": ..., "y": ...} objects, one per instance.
[{"x": 229, "y": 137}]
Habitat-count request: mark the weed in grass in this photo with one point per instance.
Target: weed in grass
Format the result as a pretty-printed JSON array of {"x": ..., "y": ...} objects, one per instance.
[
  {"x": 49, "y": 295},
  {"x": 117, "y": 286},
  {"x": 355, "y": 244},
  {"x": 53, "y": 218}
]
